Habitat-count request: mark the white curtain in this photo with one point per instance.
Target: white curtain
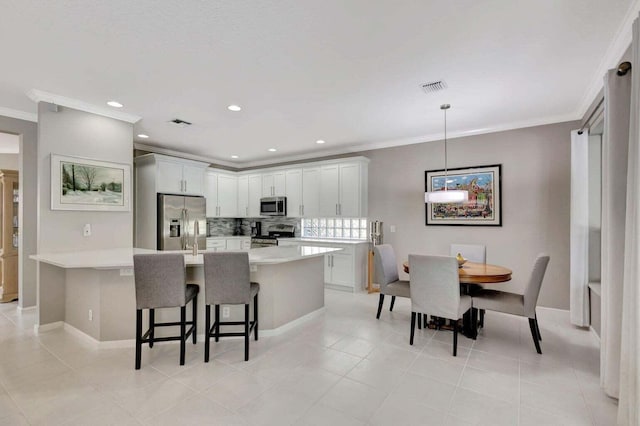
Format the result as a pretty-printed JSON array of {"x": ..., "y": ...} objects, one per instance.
[
  {"x": 615, "y": 146},
  {"x": 629, "y": 406},
  {"x": 579, "y": 229}
]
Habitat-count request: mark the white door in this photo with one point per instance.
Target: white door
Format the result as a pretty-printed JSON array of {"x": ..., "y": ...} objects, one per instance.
[
  {"x": 311, "y": 192},
  {"x": 327, "y": 268},
  {"x": 267, "y": 185},
  {"x": 211, "y": 194},
  {"x": 193, "y": 179},
  {"x": 255, "y": 193},
  {"x": 243, "y": 196},
  {"x": 234, "y": 244},
  {"x": 329, "y": 190},
  {"x": 349, "y": 190},
  {"x": 169, "y": 177},
  {"x": 293, "y": 184},
  {"x": 342, "y": 269},
  {"x": 227, "y": 196}
]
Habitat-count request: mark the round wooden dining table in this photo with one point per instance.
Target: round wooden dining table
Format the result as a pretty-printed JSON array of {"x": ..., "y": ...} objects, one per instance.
[{"x": 478, "y": 273}]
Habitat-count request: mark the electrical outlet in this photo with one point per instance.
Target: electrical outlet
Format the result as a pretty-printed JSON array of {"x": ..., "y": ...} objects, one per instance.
[
  {"x": 90, "y": 315},
  {"x": 392, "y": 228},
  {"x": 225, "y": 312},
  {"x": 86, "y": 230}
]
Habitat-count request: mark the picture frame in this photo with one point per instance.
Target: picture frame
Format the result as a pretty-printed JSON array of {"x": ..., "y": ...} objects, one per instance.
[
  {"x": 484, "y": 207},
  {"x": 89, "y": 185}
]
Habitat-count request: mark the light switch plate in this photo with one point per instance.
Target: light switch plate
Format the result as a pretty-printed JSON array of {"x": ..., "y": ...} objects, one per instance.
[{"x": 392, "y": 228}]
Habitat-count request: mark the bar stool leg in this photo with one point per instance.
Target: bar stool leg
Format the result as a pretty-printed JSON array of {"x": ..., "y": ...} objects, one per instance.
[
  {"x": 246, "y": 332},
  {"x": 255, "y": 317},
  {"x": 183, "y": 332},
  {"x": 393, "y": 301},
  {"x": 207, "y": 331},
  {"x": 413, "y": 327},
  {"x": 152, "y": 322},
  {"x": 138, "y": 337},
  {"x": 217, "y": 323},
  {"x": 194, "y": 303}
]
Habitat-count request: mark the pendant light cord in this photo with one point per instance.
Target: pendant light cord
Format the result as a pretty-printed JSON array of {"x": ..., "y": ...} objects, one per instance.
[{"x": 445, "y": 107}]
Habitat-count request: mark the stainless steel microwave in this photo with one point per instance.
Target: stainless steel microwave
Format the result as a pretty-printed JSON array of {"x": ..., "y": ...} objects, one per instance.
[{"x": 273, "y": 206}]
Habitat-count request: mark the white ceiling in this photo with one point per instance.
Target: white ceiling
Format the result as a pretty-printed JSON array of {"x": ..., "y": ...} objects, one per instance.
[
  {"x": 345, "y": 71},
  {"x": 9, "y": 144}
]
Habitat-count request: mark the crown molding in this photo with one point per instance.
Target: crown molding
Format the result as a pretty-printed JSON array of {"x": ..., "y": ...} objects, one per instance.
[
  {"x": 180, "y": 154},
  {"x": 620, "y": 43},
  {"x": 41, "y": 96},
  {"x": 20, "y": 115}
]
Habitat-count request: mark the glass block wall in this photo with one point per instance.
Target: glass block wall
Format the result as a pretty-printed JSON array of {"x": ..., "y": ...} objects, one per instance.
[{"x": 340, "y": 228}]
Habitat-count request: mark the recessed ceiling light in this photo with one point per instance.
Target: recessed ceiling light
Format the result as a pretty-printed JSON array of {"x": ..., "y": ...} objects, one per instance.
[
  {"x": 234, "y": 108},
  {"x": 234, "y": 156},
  {"x": 115, "y": 104},
  {"x": 272, "y": 150},
  {"x": 320, "y": 141},
  {"x": 143, "y": 136}
]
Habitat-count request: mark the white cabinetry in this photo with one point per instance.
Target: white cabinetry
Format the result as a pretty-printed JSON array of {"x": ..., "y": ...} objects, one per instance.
[
  {"x": 293, "y": 184},
  {"x": 249, "y": 194},
  {"x": 228, "y": 243},
  {"x": 176, "y": 176},
  {"x": 154, "y": 174},
  {"x": 311, "y": 192},
  {"x": 221, "y": 192},
  {"x": 343, "y": 190},
  {"x": 273, "y": 184}
]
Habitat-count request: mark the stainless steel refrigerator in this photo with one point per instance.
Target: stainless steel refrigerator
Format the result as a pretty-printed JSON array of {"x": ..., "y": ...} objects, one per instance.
[{"x": 177, "y": 219}]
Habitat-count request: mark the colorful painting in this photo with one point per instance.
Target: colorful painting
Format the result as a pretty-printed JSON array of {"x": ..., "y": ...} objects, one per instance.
[
  {"x": 83, "y": 184},
  {"x": 483, "y": 207}
]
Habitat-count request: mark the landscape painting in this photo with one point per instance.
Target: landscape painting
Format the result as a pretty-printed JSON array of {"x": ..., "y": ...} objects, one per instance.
[
  {"x": 83, "y": 184},
  {"x": 483, "y": 183}
]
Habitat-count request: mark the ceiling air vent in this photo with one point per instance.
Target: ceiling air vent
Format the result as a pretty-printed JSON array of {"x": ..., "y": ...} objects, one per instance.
[
  {"x": 180, "y": 123},
  {"x": 434, "y": 86}
]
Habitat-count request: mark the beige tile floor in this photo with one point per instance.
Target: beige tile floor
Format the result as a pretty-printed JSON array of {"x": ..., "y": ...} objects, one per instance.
[{"x": 341, "y": 368}]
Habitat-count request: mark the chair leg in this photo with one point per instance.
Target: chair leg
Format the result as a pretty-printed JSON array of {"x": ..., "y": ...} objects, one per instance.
[
  {"x": 255, "y": 317},
  {"x": 455, "y": 338},
  {"x": 380, "y": 302},
  {"x": 413, "y": 327},
  {"x": 138, "y": 337},
  {"x": 538, "y": 329},
  {"x": 152, "y": 322},
  {"x": 217, "y": 323},
  {"x": 246, "y": 332},
  {"x": 207, "y": 331},
  {"x": 393, "y": 301},
  {"x": 183, "y": 332},
  {"x": 481, "y": 323},
  {"x": 534, "y": 334},
  {"x": 419, "y": 318},
  {"x": 474, "y": 323},
  {"x": 425, "y": 320},
  {"x": 194, "y": 303}
]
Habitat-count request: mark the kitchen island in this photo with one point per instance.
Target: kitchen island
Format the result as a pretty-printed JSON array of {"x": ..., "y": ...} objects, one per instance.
[{"x": 92, "y": 293}]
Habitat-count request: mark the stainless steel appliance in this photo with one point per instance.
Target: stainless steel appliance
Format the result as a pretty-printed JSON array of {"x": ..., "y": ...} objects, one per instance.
[
  {"x": 177, "y": 217},
  {"x": 375, "y": 232},
  {"x": 274, "y": 232},
  {"x": 256, "y": 229},
  {"x": 273, "y": 206}
]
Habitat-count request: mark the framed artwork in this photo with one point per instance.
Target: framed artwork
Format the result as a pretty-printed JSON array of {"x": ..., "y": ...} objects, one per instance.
[
  {"x": 484, "y": 207},
  {"x": 84, "y": 184}
]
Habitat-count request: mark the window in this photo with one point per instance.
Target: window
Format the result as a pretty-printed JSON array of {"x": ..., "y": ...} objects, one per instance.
[{"x": 337, "y": 228}]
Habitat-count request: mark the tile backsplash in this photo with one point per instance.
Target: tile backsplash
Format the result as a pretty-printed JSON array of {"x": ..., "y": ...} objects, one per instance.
[{"x": 226, "y": 226}]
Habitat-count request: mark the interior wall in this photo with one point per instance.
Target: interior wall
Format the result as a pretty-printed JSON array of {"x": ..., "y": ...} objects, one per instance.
[
  {"x": 66, "y": 131},
  {"x": 535, "y": 201},
  {"x": 9, "y": 161},
  {"x": 28, "y": 169}
]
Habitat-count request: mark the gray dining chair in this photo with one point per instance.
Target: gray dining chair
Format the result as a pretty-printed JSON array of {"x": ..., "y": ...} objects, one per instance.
[
  {"x": 523, "y": 305},
  {"x": 160, "y": 282},
  {"x": 435, "y": 288},
  {"x": 473, "y": 253},
  {"x": 386, "y": 275},
  {"x": 227, "y": 282}
]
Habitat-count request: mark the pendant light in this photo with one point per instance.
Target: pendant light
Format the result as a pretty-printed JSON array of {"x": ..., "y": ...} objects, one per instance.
[{"x": 447, "y": 195}]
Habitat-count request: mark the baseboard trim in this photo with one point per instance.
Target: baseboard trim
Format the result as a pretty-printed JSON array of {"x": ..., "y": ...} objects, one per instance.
[
  {"x": 21, "y": 310},
  {"x": 42, "y": 328},
  {"x": 552, "y": 309},
  {"x": 344, "y": 288},
  {"x": 595, "y": 334},
  {"x": 293, "y": 324}
]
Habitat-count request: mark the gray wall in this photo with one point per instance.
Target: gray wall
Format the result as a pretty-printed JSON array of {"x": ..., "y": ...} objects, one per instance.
[
  {"x": 9, "y": 161},
  {"x": 80, "y": 134},
  {"x": 535, "y": 201},
  {"x": 28, "y": 168}
]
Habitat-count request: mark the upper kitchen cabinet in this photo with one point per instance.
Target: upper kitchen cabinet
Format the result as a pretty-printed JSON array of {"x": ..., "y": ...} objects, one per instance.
[
  {"x": 293, "y": 185},
  {"x": 311, "y": 192},
  {"x": 343, "y": 189},
  {"x": 174, "y": 175},
  {"x": 273, "y": 184},
  {"x": 249, "y": 194},
  {"x": 221, "y": 192}
]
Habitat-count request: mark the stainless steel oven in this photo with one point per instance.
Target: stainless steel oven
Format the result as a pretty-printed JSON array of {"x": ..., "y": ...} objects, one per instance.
[{"x": 273, "y": 206}]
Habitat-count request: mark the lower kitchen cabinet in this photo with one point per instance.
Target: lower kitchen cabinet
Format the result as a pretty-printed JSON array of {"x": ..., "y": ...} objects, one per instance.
[{"x": 229, "y": 243}]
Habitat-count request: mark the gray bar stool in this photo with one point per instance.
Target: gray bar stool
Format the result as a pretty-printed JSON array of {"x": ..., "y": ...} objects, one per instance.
[
  {"x": 160, "y": 283},
  {"x": 227, "y": 282}
]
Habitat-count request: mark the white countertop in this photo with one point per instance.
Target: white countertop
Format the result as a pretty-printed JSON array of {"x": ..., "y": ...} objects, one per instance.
[
  {"x": 123, "y": 257},
  {"x": 326, "y": 240},
  {"x": 227, "y": 237}
]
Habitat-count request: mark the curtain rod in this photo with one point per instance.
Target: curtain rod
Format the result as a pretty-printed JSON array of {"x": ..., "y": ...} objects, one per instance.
[{"x": 623, "y": 69}]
